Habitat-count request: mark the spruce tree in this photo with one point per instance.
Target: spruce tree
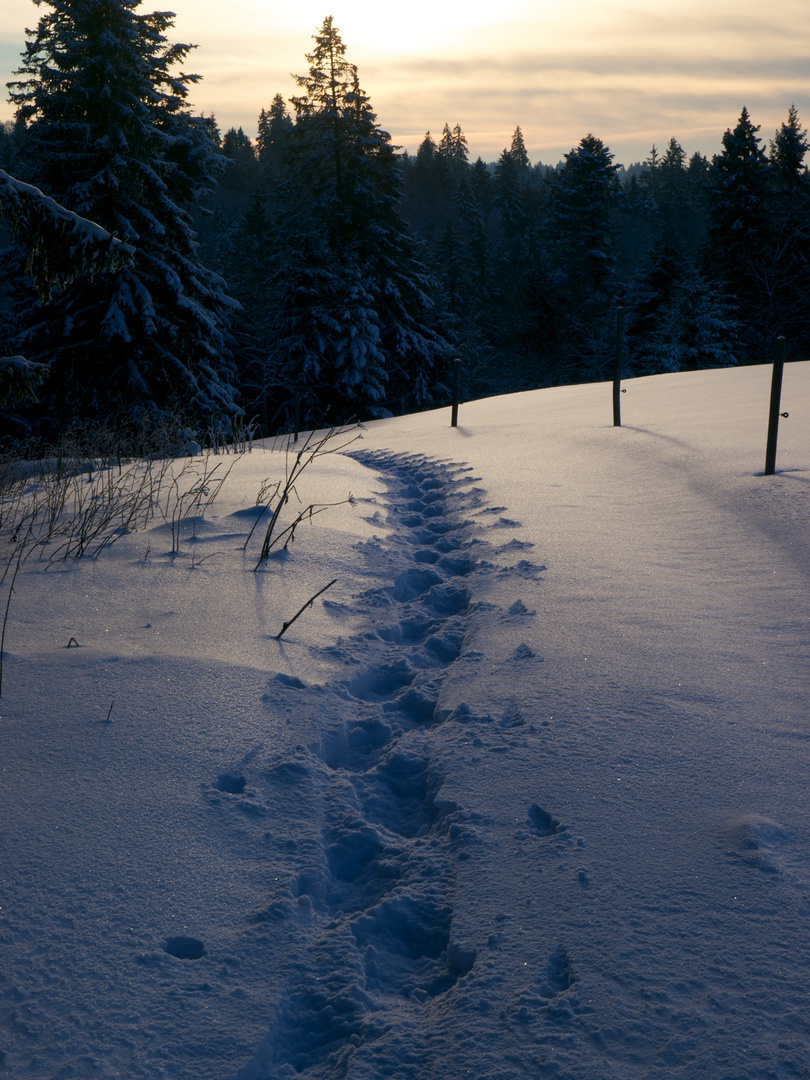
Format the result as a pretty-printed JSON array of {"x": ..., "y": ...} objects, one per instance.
[
  {"x": 582, "y": 235},
  {"x": 672, "y": 175},
  {"x": 109, "y": 135},
  {"x": 517, "y": 150},
  {"x": 510, "y": 180},
  {"x": 583, "y": 195},
  {"x": 697, "y": 328},
  {"x": 740, "y": 203},
  {"x": 460, "y": 152},
  {"x": 452, "y": 151},
  {"x": 784, "y": 270},
  {"x": 353, "y": 326},
  {"x": 426, "y": 190},
  {"x": 238, "y": 179},
  {"x": 788, "y": 150},
  {"x": 273, "y": 142},
  {"x": 740, "y": 183}
]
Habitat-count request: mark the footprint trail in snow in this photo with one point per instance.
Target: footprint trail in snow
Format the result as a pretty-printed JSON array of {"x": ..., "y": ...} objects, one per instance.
[{"x": 360, "y": 922}]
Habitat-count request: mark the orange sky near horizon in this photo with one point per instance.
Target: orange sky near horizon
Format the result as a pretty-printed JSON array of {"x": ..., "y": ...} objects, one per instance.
[{"x": 631, "y": 72}]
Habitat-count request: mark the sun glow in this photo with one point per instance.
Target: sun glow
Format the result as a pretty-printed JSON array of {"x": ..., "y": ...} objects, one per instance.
[
  {"x": 559, "y": 68},
  {"x": 422, "y": 27}
]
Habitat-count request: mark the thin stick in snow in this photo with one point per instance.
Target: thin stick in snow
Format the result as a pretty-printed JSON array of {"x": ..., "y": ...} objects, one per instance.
[
  {"x": 309, "y": 603},
  {"x": 8, "y": 602}
]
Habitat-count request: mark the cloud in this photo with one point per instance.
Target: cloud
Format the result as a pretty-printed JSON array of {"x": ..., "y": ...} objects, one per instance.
[{"x": 631, "y": 73}]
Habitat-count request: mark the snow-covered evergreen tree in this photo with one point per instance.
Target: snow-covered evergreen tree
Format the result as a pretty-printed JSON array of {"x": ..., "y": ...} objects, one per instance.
[
  {"x": 273, "y": 142},
  {"x": 61, "y": 245},
  {"x": 787, "y": 153},
  {"x": 453, "y": 150},
  {"x": 783, "y": 271},
  {"x": 517, "y": 151},
  {"x": 510, "y": 179},
  {"x": 739, "y": 197},
  {"x": 109, "y": 135},
  {"x": 345, "y": 255},
  {"x": 741, "y": 179},
  {"x": 697, "y": 328},
  {"x": 582, "y": 235},
  {"x": 583, "y": 194},
  {"x": 760, "y": 233}
]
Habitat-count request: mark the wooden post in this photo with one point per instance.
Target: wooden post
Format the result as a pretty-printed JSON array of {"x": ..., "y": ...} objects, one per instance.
[
  {"x": 617, "y": 374},
  {"x": 297, "y": 415},
  {"x": 456, "y": 381},
  {"x": 773, "y": 416}
]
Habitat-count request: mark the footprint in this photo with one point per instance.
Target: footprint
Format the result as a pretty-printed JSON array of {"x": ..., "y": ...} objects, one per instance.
[
  {"x": 522, "y": 652},
  {"x": 758, "y": 842},
  {"x": 559, "y": 974},
  {"x": 542, "y": 822},
  {"x": 184, "y": 948},
  {"x": 231, "y": 783}
]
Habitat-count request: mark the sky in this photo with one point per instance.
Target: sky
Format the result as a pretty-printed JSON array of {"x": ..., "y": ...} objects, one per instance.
[{"x": 633, "y": 72}]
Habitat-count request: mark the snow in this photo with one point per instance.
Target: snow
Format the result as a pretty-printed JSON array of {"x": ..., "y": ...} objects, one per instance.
[{"x": 522, "y": 795}]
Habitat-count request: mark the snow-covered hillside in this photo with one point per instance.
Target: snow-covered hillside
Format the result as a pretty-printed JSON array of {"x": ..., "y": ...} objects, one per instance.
[{"x": 523, "y": 794}]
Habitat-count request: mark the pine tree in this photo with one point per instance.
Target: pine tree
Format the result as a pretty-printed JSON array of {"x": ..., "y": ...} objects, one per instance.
[
  {"x": 371, "y": 304},
  {"x": 788, "y": 150},
  {"x": 237, "y": 181},
  {"x": 697, "y": 329},
  {"x": 481, "y": 183},
  {"x": 740, "y": 206},
  {"x": 652, "y": 164},
  {"x": 446, "y": 148},
  {"x": 582, "y": 233},
  {"x": 244, "y": 252},
  {"x": 460, "y": 151},
  {"x": 426, "y": 152},
  {"x": 425, "y": 190},
  {"x": 517, "y": 151},
  {"x": 784, "y": 267},
  {"x": 108, "y": 133},
  {"x": 676, "y": 216},
  {"x": 452, "y": 150},
  {"x": 273, "y": 142},
  {"x": 510, "y": 180},
  {"x": 583, "y": 195},
  {"x": 672, "y": 174},
  {"x": 741, "y": 179}
]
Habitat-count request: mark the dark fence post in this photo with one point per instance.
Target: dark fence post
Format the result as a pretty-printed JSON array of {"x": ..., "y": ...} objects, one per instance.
[
  {"x": 773, "y": 416},
  {"x": 617, "y": 374},
  {"x": 297, "y": 415},
  {"x": 456, "y": 381}
]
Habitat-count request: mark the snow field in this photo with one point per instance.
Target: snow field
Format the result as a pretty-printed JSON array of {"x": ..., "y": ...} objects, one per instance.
[{"x": 522, "y": 795}]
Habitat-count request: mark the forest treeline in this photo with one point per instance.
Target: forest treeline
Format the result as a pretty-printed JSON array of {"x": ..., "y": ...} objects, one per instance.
[{"x": 319, "y": 269}]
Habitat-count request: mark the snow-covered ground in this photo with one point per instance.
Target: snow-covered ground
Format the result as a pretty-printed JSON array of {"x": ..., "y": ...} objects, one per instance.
[{"x": 523, "y": 794}]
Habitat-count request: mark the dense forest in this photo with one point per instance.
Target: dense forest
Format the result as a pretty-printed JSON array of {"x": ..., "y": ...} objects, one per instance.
[{"x": 320, "y": 273}]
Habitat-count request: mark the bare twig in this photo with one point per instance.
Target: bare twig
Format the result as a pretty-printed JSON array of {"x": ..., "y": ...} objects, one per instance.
[
  {"x": 195, "y": 562},
  {"x": 314, "y": 447},
  {"x": 309, "y": 513},
  {"x": 20, "y": 550},
  {"x": 309, "y": 603}
]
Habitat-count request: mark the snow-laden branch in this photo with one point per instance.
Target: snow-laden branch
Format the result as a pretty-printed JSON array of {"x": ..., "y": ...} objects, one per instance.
[
  {"x": 61, "y": 245},
  {"x": 18, "y": 377}
]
